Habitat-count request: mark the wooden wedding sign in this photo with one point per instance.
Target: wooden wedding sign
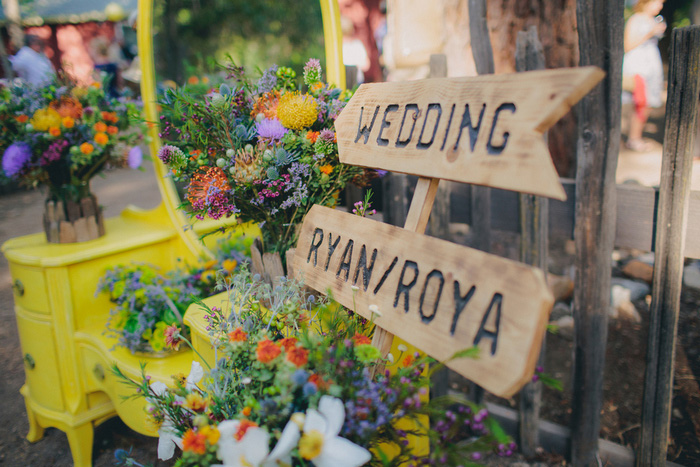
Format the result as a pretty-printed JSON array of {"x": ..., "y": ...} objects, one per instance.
[{"x": 440, "y": 296}]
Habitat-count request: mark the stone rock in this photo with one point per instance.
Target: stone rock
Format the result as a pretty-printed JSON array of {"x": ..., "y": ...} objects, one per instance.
[
  {"x": 638, "y": 290},
  {"x": 637, "y": 269},
  {"x": 562, "y": 287},
  {"x": 559, "y": 310},
  {"x": 621, "y": 305},
  {"x": 565, "y": 327},
  {"x": 691, "y": 276}
]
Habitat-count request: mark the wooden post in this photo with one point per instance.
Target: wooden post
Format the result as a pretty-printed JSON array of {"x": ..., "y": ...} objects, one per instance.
[
  {"x": 534, "y": 245},
  {"x": 672, "y": 215},
  {"x": 440, "y": 217},
  {"x": 481, "y": 196},
  {"x": 600, "y": 26},
  {"x": 416, "y": 221}
]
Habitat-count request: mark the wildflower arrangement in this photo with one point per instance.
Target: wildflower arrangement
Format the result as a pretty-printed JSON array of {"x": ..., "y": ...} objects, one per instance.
[
  {"x": 264, "y": 151},
  {"x": 149, "y": 300},
  {"x": 305, "y": 393},
  {"x": 63, "y": 134}
]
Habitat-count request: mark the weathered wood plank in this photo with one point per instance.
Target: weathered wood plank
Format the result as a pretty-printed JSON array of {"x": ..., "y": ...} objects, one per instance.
[
  {"x": 600, "y": 28},
  {"x": 439, "y": 296},
  {"x": 676, "y": 167},
  {"x": 485, "y": 130},
  {"x": 534, "y": 245}
]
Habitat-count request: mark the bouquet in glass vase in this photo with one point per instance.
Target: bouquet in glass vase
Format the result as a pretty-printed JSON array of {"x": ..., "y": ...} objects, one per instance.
[
  {"x": 60, "y": 136},
  {"x": 263, "y": 150}
]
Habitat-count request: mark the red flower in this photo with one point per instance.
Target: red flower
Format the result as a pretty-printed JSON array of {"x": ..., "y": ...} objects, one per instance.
[
  {"x": 172, "y": 337},
  {"x": 360, "y": 339},
  {"x": 288, "y": 343},
  {"x": 299, "y": 356},
  {"x": 408, "y": 360},
  {"x": 267, "y": 351},
  {"x": 237, "y": 335},
  {"x": 318, "y": 381},
  {"x": 194, "y": 442}
]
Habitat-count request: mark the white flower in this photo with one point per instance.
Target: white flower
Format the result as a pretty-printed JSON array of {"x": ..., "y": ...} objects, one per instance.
[
  {"x": 402, "y": 348},
  {"x": 253, "y": 448},
  {"x": 374, "y": 309},
  {"x": 167, "y": 440},
  {"x": 390, "y": 357},
  {"x": 196, "y": 374},
  {"x": 321, "y": 443},
  {"x": 354, "y": 288}
]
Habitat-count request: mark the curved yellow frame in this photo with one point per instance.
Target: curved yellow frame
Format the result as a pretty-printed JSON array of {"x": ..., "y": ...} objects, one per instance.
[{"x": 335, "y": 72}]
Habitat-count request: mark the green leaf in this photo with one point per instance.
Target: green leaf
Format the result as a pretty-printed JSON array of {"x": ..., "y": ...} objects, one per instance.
[{"x": 471, "y": 352}]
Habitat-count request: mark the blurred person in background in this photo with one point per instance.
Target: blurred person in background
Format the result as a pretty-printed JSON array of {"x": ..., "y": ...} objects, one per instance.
[
  {"x": 642, "y": 70},
  {"x": 31, "y": 64}
]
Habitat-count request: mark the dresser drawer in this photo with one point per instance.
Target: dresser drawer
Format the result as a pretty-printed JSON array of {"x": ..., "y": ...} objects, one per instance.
[
  {"x": 29, "y": 287},
  {"x": 40, "y": 364}
]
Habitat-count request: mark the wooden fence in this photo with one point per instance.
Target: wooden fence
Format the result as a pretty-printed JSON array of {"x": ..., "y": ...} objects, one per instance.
[{"x": 599, "y": 215}]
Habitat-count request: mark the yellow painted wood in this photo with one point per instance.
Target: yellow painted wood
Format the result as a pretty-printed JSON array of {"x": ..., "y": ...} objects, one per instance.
[{"x": 29, "y": 288}]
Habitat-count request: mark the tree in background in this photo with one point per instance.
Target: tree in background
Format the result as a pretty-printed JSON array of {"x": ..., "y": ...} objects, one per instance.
[{"x": 257, "y": 33}]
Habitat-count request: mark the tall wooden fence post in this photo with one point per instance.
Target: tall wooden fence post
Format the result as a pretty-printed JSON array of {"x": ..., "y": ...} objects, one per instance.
[
  {"x": 534, "y": 245},
  {"x": 439, "y": 225},
  {"x": 672, "y": 219},
  {"x": 481, "y": 196},
  {"x": 600, "y": 27}
]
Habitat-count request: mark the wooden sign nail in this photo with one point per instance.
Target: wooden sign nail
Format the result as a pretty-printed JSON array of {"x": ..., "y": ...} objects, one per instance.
[
  {"x": 439, "y": 296},
  {"x": 485, "y": 130}
]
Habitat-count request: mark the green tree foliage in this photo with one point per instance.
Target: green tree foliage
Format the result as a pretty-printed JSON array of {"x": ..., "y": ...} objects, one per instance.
[{"x": 191, "y": 34}]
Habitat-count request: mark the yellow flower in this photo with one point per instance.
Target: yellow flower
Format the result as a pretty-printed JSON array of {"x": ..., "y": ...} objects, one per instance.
[
  {"x": 311, "y": 444},
  {"x": 195, "y": 402},
  {"x": 101, "y": 138},
  {"x": 86, "y": 148},
  {"x": 211, "y": 433},
  {"x": 68, "y": 122},
  {"x": 297, "y": 112},
  {"x": 229, "y": 264},
  {"x": 43, "y": 119}
]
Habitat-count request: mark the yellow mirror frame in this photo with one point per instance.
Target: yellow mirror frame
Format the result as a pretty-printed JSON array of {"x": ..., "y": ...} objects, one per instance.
[{"x": 335, "y": 72}]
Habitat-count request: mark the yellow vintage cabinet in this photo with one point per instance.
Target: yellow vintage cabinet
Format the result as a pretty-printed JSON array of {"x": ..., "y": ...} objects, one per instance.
[{"x": 60, "y": 321}]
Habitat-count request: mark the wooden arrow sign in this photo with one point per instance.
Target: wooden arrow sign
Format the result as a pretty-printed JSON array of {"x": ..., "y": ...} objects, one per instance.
[
  {"x": 439, "y": 296},
  {"x": 485, "y": 130}
]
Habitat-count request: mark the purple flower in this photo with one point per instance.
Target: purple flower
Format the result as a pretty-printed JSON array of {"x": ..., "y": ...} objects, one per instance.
[
  {"x": 135, "y": 157},
  {"x": 15, "y": 158},
  {"x": 327, "y": 135},
  {"x": 271, "y": 130},
  {"x": 54, "y": 151},
  {"x": 268, "y": 80}
]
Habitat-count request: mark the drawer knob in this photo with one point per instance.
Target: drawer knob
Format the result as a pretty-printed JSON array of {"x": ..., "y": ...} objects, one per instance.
[
  {"x": 99, "y": 372},
  {"x": 19, "y": 287},
  {"x": 29, "y": 361}
]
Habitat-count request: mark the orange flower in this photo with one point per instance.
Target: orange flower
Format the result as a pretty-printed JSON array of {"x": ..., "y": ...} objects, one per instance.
[
  {"x": 54, "y": 131},
  {"x": 320, "y": 384},
  {"x": 96, "y": 84},
  {"x": 68, "y": 106},
  {"x": 246, "y": 411},
  {"x": 22, "y": 118},
  {"x": 112, "y": 130},
  {"x": 326, "y": 169},
  {"x": 237, "y": 335},
  {"x": 243, "y": 427},
  {"x": 68, "y": 122},
  {"x": 360, "y": 339},
  {"x": 109, "y": 116},
  {"x": 86, "y": 148},
  {"x": 100, "y": 127},
  {"x": 202, "y": 182},
  {"x": 211, "y": 433},
  {"x": 194, "y": 442},
  {"x": 229, "y": 264},
  {"x": 288, "y": 343},
  {"x": 194, "y": 154},
  {"x": 195, "y": 402},
  {"x": 267, "y": 351},
  {"x": 192, "y": 80},
  {"x": 408, "y": 360},
  {"x": 266, "y": 105},
  {"x": 312, "y": 136},
  {"x": 298, "y": 356},
  {"x": 205, "y": 79},
  {"x": 101, "y": 139}
]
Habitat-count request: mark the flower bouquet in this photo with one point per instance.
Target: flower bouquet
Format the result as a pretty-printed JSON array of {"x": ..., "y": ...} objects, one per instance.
[
  {"x": 60, "y": 136},
  {"x": 261, "y": 150},
  {"x": 148, "y": 300},
  {"x": 303, "y": 393}
]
